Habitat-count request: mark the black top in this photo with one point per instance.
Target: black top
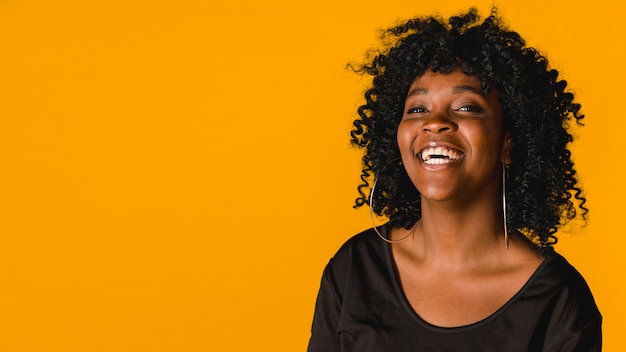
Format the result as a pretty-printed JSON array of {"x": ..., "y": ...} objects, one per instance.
[{"x": 361, "y": 307}]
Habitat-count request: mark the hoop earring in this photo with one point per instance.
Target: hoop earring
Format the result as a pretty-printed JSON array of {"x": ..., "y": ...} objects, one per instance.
[
  {"x": 371, "y": 204},
  {"x": 504, "y": 175}
]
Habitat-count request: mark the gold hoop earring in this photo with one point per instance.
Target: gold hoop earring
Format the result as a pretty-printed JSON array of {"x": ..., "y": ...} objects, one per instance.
[
  {"x": 371, "y": 205},
  {"x": 505, "y": 167}
]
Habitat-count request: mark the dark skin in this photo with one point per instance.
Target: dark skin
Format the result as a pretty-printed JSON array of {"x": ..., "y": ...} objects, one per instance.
[{"x": 456, "y": 268}]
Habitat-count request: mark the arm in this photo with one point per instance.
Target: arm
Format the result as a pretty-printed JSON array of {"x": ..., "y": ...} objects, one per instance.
[
  {"x": 324, "y": 336},
  {"x": 588, "y": 339}
]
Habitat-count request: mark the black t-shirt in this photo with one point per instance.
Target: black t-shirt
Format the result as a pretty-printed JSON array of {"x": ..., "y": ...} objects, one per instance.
[{"x": 361, "y": 307}]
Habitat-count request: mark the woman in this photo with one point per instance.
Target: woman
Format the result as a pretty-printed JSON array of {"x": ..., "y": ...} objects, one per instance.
[{"x": 464, "y": 132}]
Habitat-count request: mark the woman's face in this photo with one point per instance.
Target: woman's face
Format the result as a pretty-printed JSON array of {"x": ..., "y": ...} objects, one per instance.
[{"x": 451, "y": 137}]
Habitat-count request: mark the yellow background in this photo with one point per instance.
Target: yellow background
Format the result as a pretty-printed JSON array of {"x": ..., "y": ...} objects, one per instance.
[{"x": 174, "y": 175}]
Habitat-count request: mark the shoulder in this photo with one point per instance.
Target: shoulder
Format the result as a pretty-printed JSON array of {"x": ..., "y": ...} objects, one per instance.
[
  {"x": 366, "y": 241},
  {"x": 363, "y": 246},
  {"x": 558, "y": 276},
  {"x": 363, "y": 252},
  {"x": 569, "y": 311}
]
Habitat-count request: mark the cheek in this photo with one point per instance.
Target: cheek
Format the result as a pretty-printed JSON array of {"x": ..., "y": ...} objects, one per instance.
[
  {"x": 488, "y": 141},
  {"x": 405, "y": 138},
  {"x": 406, "y": 143}
]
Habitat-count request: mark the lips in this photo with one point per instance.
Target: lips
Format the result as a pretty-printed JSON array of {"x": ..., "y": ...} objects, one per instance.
[{"x": 437, "y": 155}]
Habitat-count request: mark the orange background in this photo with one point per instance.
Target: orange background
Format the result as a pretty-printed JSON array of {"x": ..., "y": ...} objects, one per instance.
[{"x": 174, "y": 175}]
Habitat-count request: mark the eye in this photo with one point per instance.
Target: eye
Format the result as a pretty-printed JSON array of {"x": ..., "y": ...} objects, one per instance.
[
  {"x": 416, "y": 110},
  {"x": 470, "y": 108}
]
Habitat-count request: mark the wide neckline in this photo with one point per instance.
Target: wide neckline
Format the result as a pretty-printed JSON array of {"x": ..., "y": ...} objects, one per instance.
[{"x": 395, "y": 280}]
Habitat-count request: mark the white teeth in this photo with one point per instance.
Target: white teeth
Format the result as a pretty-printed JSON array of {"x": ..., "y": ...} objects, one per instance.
[{"x": 439, "y": 155}]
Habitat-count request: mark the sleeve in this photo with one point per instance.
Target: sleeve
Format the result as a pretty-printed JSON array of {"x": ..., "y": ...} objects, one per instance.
[
  {"x": 588, "y": 339},
  {"x": 576, "y": 322},
  {"x": 324, "y": 336}
]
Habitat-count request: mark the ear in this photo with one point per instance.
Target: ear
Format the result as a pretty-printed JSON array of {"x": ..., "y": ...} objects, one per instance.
[{"x": 507, "y": 147}]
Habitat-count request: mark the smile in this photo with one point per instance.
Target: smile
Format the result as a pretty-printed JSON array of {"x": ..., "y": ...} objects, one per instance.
[{"x": 439, "y": 155}]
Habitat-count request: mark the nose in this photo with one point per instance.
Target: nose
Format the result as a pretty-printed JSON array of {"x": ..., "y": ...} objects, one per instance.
[{"x": 439, "y": 123}]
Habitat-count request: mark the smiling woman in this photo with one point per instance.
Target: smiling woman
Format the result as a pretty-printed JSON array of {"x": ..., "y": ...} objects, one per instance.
[
  {"x": 450, "y": 126},
  {"x": 462, "y": 123}
]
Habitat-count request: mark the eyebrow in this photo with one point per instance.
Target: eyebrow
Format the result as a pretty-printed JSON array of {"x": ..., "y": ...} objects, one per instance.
[
  {"x": 455, "y": 90},
  {"x": 462, "y": 89}
]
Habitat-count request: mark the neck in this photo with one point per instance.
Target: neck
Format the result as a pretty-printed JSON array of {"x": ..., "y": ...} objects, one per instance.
[{"x": 455, "y": 236}]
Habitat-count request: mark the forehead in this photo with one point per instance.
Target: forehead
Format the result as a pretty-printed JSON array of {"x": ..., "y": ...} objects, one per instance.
[{"x": 456, "y": 78}]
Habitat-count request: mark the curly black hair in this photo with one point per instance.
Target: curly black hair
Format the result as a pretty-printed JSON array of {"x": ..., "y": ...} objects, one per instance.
[{"x": 542, "y": 188}]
